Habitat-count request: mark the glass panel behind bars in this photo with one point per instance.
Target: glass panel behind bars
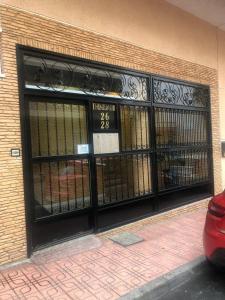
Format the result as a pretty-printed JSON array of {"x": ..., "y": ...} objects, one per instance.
[
  {"x": 134, "y": 127},
  {"x": 182, "y": 168},
  {"x": 123, "y": 177},
  {"x": 57, "y": 129},
  {"x": 61, "y": 186},
  {"x": 175, "y": 127},
  {"x": 48, "y": 74}
]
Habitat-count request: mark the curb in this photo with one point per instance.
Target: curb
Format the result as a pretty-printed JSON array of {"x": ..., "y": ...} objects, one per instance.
[{"x": 163, "y": 285}]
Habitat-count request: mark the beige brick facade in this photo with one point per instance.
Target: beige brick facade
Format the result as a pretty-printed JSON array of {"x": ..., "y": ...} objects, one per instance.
[{"x": 31, "y": 30}]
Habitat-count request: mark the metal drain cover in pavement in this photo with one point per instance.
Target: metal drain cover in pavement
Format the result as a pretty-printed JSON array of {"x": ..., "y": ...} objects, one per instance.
[{"x": 126, "y": 239}]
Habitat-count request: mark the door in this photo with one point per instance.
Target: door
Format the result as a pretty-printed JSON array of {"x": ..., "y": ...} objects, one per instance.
[
  {"x": 60, "y": 170},
  {"x": 123, "y": 161}
]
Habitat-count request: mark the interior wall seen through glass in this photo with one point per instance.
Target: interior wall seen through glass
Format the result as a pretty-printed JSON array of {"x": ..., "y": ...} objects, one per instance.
[
  {"x": 123, "y": 177},
  {"x": 56, "y": 128},
  {"x": 134, "y": 127}
]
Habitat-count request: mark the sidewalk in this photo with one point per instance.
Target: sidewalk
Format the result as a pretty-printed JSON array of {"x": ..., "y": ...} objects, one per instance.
[{"x": 94, "y": 267}]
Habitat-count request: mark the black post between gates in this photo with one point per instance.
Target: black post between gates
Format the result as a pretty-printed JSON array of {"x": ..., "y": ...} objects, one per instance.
[{"x": 94, "y": 214}]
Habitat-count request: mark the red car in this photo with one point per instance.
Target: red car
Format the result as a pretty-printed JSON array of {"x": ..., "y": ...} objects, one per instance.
[{"x": 214, "y": 231}]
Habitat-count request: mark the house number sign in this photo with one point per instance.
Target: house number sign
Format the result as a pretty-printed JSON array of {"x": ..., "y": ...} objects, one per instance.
[{"x": 104, "y": 117}]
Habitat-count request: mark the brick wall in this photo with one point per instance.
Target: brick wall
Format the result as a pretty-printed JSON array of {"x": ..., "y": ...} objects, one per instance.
[{"x": 35, "y": 31}]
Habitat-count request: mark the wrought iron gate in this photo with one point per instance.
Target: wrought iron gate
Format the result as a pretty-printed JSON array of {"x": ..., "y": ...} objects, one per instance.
[{"x": 103, "y": 146}]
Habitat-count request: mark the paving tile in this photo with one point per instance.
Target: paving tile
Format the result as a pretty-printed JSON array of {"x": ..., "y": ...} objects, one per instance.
[
  {"x": 8, "y": 295},
  {"x": 106, "y": 270},
  {"x": 106, "y": 295}
]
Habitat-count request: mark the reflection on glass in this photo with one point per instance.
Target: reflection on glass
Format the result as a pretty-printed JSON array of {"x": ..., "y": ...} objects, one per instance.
[
  {"x": 47, "y": 74},
  {"x": 123, "y": 177},
  {"x": 57, "y": 129},
  {"x": 61, "y": 186},
  {"x": 181, "y": 168},
  {"x": 134, "y": 127},
  {"x": 179, "y": 127}
]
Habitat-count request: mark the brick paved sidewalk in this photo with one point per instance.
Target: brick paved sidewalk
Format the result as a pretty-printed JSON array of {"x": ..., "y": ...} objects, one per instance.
[{"x": 94, "y": 267}]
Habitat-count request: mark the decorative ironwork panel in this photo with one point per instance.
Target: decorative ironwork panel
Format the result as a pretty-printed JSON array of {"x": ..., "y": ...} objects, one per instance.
[
  {"x": 179, "y": 127},
  {"x": 61, "y": 186},
  {"x": 134, "y": 127},
  {"x": 182, "y": 168},
  {"x": 48, "y": 74},
  {"x": 180, "y": 94},
  {"x": 123, "y": 177}
]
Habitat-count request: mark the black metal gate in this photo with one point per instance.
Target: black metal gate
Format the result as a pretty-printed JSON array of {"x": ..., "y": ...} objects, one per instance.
[{"x": 103, "y": 146}]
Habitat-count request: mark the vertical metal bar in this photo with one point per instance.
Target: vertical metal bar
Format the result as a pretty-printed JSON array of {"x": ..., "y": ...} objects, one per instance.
[
  {"x": 146, "y": 129},
  {"x": 131, "y": 129},
  {"x": 189, "y": 132},
  {"x": 42, "y": 192},
  {"x": 103, "y": 179},
  {"x": 109, "y": 179},
  {"x": 72, "y": 126},
  {"x": 148, "y": 167},
  {"x": 161, "y": 124},
  {"x": 175, "y": 116},
  {"x": 38, "y": 129},
  {"x": 143, "y": 174},
  {"x": 162, "y": 136},
  {"x": 116, "y": 178},
  {"x": 75, "y": 183},
  {"x": 82, "y": 178},
  {"x": 80, "y": 125},
  {"x": 137, "y": 158},
  {"x": 168, "y": 126},
  {"x": 127, "y": 163},
  {"x": 182, "y": 127},
  {"x": 191, "y": 178},
  {"x": 56, "y": 128},
  {"x": 156, "y": 125},
  {"x": 140, "y": 115},
  {"x": 178, "y": 128},
  {"x": 124, "y": 128},
  {"x": 50, "y": 183},
  {"x": 202, "y": 164},
  {"x": 60, "y": 204},
  {"x": 64, "y": 129},
  {"x": 167, "y": 112},
  {"x": 121, "y": 178},
  {"x": 67, "y": 185},
  {"x": 194, "y": 139},
  {"x": 134, "y": 111},
  {"x": 47, "y": 125},
  {"x": 192, "y": 167},
  {"x": 202, "y": 129},
  {"x": 198, "y": 130},
  {"x": 132, "y": 159}
]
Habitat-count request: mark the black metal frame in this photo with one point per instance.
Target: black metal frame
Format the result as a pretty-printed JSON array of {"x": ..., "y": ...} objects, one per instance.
[{"x": 94, "y": 212}]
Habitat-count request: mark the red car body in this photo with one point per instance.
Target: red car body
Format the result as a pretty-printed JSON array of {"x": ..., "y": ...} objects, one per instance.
[{"x": 214, "y": 230}]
